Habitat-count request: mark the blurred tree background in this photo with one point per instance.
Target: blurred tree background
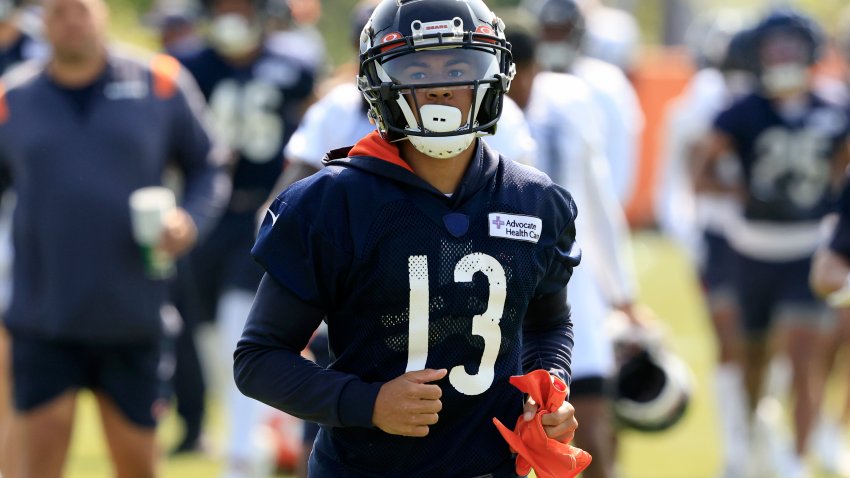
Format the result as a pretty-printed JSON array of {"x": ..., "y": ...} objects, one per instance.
[{"x": 654, "y": 16}]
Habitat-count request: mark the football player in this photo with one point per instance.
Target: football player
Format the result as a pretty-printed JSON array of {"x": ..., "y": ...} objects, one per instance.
[
  {"x": 790, "y": 146},
  {"x": 439, "y": 268},
  {"x": 613, "y": 34},
  {"x": 562, "y": 48},
  {"x": 17, "y": 42},
  {"x": 566, "y": 125},
  {"x": 697, "y": 221},
  {"x": 339, "y": 118},
  {"x": 256, "y": 95}
]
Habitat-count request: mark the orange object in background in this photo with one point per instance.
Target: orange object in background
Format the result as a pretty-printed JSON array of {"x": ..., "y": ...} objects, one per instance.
[
  {"x": 660, "y": 75},
  {"x": 832, "y": 64}
]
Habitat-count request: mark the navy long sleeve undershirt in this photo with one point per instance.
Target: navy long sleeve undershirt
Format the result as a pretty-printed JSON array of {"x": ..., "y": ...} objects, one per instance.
[{"x": 268, "y": 365}]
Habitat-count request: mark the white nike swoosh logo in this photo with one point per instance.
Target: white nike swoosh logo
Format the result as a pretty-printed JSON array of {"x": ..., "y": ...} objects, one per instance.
[{"x": 274, "y": 216}]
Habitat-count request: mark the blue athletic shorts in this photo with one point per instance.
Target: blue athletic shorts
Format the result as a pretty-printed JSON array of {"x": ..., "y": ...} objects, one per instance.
[
  {"x": 718, "y": 269},
  {"x": 595, "y": 386},
  {"x": 128, "y": 374},
  {"x": 769, "y": 289},
  {"x": 223, "y": 261}
]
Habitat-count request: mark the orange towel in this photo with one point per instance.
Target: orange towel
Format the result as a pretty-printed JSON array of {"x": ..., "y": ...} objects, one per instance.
[{"x": 549, "y": 457}]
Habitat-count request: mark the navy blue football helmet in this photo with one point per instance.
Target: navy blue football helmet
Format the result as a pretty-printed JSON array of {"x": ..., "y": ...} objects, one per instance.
[
  {"x": 710, "y": 34},
  {"x": 563, "y": 29},
  {"x": 740, "y": 53},
  {"x": 789, "y": 21},
  {"x": 565, "y": 14},
  {"x": 401, "y": 31}
]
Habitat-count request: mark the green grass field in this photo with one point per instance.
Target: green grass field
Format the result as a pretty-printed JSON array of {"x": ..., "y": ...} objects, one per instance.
[{"x": 690, "y": 450}]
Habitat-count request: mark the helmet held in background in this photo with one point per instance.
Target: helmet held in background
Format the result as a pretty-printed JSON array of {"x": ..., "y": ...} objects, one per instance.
[
  {"x": 434, "y": 49},
  {"x": 652, "y": 386},
  {"x": 787, "y": 44},
  {"x": 562, "y": 32}
]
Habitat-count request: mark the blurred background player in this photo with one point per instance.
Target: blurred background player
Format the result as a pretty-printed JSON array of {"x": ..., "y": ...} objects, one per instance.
[
  {"x": 791, "y": 145},
  {"x": 721, "y": 52},
  {"x": 176, "y": 25},
  {"x": 718, "y": 46},
  {"x": 18, "y": 41},
  {"x": 108, "y": 123},
  {"x": 567, "y": 127},
  {"x": 613, "y": 34},
  {"x": 256, "y": 94},
  {"x": 563, "y": 48},
  {"x": 291, "y": 26}
]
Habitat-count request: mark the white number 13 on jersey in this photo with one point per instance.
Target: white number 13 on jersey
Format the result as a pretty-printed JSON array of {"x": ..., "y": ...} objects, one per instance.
[{"x": 485, "y": 325}]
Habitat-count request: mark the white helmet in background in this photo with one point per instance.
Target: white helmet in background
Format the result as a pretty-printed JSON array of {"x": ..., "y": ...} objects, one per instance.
[{"x": 652, "y": 385}]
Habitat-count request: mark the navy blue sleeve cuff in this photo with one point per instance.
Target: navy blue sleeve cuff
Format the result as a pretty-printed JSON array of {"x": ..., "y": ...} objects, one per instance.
[{"x": 357, "y": 403}]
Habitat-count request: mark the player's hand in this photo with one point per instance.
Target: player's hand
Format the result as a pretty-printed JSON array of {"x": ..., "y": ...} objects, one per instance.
[
  {"x": 408, "y": 404},
  {"x": 560, "y": 424},
  {"x": 179, "y": 233}
]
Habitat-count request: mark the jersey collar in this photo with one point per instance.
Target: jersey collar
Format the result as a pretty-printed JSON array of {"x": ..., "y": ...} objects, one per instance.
[{"x": 375, "y": 154}]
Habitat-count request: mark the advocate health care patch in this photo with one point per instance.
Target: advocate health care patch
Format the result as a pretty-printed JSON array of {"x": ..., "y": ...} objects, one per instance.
[{"x": 515, "y": 226}]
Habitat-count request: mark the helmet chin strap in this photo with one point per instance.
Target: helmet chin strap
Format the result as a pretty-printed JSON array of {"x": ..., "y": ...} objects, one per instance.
[{"x": 441, "y": 119}]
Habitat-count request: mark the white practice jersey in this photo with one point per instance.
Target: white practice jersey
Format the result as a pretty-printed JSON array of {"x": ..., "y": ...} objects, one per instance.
[
  {"x": 304, "y": 43},
  {"x": 339, "y": 120},
  {"x": 682, "y": 214},
  {"x": 335, "y": 121},
  {"x": 565, "y": 122},
  {"x": 622, "y": 120}
]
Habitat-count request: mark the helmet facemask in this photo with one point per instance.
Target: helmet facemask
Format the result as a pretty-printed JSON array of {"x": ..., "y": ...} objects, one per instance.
[
  {"x": 784, "y": 63},
  {"x": 235, "y": 28},
  {"x": 562, "y": 33}
]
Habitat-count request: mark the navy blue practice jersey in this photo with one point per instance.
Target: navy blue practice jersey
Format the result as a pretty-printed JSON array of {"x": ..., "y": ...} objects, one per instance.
[
  {"x": 412, "y": 279},
  {"x": 787, "y": 164},
  {"x": 255, "y": 109}
]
